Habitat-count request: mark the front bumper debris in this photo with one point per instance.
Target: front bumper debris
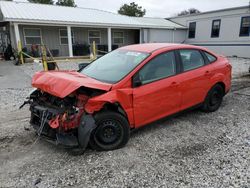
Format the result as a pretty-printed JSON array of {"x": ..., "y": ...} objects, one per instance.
[{"x": 75, "y": 138}]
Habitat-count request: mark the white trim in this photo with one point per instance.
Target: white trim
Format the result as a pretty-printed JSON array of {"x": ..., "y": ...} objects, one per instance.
[
  {"x": 93, "y": 25},
  {"x": 70, "y": 41},
  {"x": 17, "y": 33},
  {"x": 24, "y": 36},
  {"x": 95, "y": 37},
  {"x": 109, "y": 39},
  {"x": 113, "y": 38},
  {"x": 66, "y": 37},
  {"x": 140, "y": 41}
]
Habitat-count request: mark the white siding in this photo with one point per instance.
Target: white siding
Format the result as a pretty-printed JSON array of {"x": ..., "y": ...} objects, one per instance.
[
  {"x": 240, "y": 51},
  {"x": 229, "y": 42},
  {"x": 168, "y": 36}
]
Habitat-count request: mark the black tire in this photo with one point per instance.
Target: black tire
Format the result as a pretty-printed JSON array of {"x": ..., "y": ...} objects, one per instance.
[
  {"x": 112, "y": 131},
  {"x": 214, "y": 99}
]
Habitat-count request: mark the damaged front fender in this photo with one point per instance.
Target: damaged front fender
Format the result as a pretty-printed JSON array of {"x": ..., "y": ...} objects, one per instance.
[{"x": 124, "y": 97}]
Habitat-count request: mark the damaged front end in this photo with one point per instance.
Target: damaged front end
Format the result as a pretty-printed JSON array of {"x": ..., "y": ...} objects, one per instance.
[{"x": 63, "y": 120}]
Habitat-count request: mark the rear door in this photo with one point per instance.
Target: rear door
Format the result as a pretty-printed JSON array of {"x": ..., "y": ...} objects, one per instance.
[
  {"x": 195, "y": 77},
  {"x": 159, "y": 94}
]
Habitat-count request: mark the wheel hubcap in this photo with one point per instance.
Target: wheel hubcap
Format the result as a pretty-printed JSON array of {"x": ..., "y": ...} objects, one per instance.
[{"x": 108, "y": 132}]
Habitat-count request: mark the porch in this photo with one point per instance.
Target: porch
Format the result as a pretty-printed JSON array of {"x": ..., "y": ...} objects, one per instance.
[{"x": 71, "y": 41}]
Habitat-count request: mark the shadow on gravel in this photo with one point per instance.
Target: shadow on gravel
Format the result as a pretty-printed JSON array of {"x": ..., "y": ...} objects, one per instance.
[
  {"x": 165, "y": 122},
  {"x": 239, "y": 85},
  {"x": 17, "y": 141},
  {"x": 192, "y": 150},
  {"x": 244, "y": 76},
  {"x": 6, "y": 139}
]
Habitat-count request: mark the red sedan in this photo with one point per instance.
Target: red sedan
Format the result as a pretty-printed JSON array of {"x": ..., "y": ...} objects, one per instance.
[{"x": 126, "y": 89}]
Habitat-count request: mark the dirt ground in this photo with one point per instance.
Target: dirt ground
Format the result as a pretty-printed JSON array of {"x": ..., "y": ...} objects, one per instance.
[{"x": 194, "y": 149}]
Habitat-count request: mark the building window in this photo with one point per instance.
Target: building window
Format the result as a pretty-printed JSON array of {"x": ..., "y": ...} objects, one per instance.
[
  {"x": 215, "y": 28},
  {"x": 32, "y": 36},
  {"x": 63, "y": 35},
  {"x": 95, "y": 36},
  {"x": 192, "y": 29},
  {"x": 245, "y": 26},
  {"x": 118, "y": 37}
]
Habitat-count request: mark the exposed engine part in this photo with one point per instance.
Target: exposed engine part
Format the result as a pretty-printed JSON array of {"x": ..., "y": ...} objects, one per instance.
[
  {"x": 43, "y": 121},
  {"x": 64, "y": 114},
  {"x": 64, "y": 121}
]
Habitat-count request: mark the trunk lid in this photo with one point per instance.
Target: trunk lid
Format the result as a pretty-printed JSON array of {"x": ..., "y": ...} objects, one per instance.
[{"x": 63, "y": 83}]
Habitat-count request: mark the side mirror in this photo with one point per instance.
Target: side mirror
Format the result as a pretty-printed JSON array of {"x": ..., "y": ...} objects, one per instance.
[{"x": 136, "y": 81}]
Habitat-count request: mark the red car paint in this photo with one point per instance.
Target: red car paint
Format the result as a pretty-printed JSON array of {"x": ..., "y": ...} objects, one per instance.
[
  {"x": 149, "y": 102},
  {"x": 63, "y": 83},
  {"x": 67, "y": 121}
]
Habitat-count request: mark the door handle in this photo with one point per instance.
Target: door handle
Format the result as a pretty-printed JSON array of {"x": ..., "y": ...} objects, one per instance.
[
  {"x": 207, "y": 73},
  {"x": 174, "y": 84}
]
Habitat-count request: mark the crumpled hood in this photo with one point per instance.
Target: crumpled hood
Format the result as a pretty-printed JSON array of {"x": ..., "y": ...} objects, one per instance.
[{"x": 63, "y": 83}]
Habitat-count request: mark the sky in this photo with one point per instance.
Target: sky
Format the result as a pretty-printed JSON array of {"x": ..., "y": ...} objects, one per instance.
[{"x": 162, "y": 8}]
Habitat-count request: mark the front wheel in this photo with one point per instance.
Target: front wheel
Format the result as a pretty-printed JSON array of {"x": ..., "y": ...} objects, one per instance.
[
  {"x": 112, "y": 131},
  {"x": 214, "y": 99}
]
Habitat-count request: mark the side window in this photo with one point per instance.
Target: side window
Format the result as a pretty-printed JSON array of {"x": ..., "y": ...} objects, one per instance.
[
  {"x": 191, "y": 59},
  {"x": 210, "y": 57},
  {"x": 162, "y": 66}
]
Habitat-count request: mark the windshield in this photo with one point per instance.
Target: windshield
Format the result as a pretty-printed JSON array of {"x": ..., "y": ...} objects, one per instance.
[{"x": 112, "y": 67}]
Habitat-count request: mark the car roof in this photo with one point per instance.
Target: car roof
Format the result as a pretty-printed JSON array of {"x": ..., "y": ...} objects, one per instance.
[{"x": 151, "y": 47}]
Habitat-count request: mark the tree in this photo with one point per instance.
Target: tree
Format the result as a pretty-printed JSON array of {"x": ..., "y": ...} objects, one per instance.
[
  {"x": 132, "y": 10},
  {"x": 51, "y": 2},
  {"x": 189, "y": 11},
  {"x": 69, "y": 3}
]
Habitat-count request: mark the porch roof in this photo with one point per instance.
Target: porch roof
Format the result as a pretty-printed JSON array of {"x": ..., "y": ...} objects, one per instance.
[{"x": 24, "y": 12}]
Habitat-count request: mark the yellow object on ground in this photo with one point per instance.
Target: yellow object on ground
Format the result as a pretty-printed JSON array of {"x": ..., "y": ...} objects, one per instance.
[{"x": 20, "y": 52}]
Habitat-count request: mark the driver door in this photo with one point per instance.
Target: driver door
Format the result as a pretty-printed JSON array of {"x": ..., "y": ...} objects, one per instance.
[{"x": 158, "y": 93}]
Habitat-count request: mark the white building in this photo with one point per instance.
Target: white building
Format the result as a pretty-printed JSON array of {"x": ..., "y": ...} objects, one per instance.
[
  {"x": 68, "y": 30},
  {"x": 224, "y": 31}
]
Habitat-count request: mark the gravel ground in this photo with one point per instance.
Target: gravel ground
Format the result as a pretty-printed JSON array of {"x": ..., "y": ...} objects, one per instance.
[{"x": 194, "y": 149}]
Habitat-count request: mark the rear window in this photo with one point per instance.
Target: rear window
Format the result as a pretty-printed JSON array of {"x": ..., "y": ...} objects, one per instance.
[
  {"x": 210, "y": 57},
  {"x": 191, "y": 59}
]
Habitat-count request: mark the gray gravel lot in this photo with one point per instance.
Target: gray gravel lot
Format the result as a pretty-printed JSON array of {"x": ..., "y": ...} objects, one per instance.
[{"x": 194, "y": 149}]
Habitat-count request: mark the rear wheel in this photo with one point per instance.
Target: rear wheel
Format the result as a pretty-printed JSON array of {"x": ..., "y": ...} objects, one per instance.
[
  {"x": 112, "y": 131},
  {"x": 214, "y": 99}
]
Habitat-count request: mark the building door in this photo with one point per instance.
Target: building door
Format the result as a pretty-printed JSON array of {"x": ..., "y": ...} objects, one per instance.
[{"x": 137, "y": 37}]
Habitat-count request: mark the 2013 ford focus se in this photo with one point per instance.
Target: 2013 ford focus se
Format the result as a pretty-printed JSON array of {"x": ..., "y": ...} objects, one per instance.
[{"x": 124, "y": 90}]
